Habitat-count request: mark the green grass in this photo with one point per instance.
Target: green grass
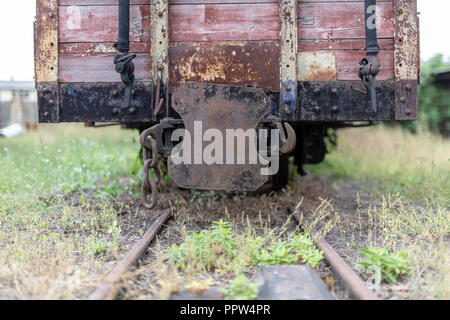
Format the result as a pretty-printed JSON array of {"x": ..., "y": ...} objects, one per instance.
[
  {"x": 395, "y": 161},
  {"x": 385, "y": 265},
  {"x": 229, "y": 252},
  {"x": 46, "y": 224},
  {"x": 410, "y": 208}
]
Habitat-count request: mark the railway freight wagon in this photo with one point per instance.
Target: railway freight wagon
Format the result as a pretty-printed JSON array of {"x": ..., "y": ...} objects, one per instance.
[{"x": 238, "y": 76}]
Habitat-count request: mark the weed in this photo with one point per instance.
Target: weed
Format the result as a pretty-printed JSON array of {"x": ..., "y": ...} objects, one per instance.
[
  {"x": 225, "y": 251},
  {"x": 384, "y": 265},
  {"x": 241, "y": 288}
]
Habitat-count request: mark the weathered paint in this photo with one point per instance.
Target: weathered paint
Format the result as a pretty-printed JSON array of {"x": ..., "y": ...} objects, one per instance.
[
  {"x": 343, "y": 20},
  {"x": 253, "y": 63},
  {"x": 288, "y": 57},
  {"x": 406, "y": 61},
  {"x": 208, "y": 32},
  {"x": 99, "y": 23},
  {"x": 317, "y": 66},
  {"x": 160, "y": 40},
  {"x": 99, "y": 67},
  {"x": 46, "y": 41}
]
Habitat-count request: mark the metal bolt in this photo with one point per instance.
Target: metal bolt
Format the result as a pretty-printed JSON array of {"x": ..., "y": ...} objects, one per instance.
[
  {"x": 132, "y": 110},
  {"x": 402, "y": 99},
  {"x": 116, "y": 111},
  {"x": 160, "y": 14},
  {"x": 317, "y": 109},
  {"x": 408, "y": 112},
  {"x": 51, "y": 102},
  {"x": 408, "y": 87},
  {"x": 316, "y": 90},
  {"x": 160, "y": 67},
  {"x": 335, "y": 108},
  {"x": 334, "y": 90},
  {"x": 46, "y": 114},
  {"x": 51, "y": 14},
  {"x": 287, "y": 12},
  {"x": 115, "y": 93}
]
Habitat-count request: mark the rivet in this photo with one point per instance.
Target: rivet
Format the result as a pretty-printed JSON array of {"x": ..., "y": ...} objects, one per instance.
[
  {"x": 160, "y": 14},
  {"x": 316, "y": 90},
  {"x": 46, "y": 114},
  {"x": 402, "y": 99},
  {"x": 51, "y": 14},
  {"x": 51, "y": 102},
  {"x": 116, "y": 111},
  {"x": 408, "y": 112},
  {"x": 115, "y": 93},
  {"x": 335, "y": 108},
  {"x": 408, "y": 87},
  {"x": 334, "y": 90},
  {"x": 132, "y": 110},
  {"x": 317, "y": 109}
]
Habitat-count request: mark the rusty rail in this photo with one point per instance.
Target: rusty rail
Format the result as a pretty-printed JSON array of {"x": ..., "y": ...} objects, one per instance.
[
  {"x": 107, "y": 290},
  {"x": 357, "y": 287}
]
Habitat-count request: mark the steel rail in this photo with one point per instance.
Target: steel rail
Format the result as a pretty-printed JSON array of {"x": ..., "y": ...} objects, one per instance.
[
  {"x": 356, "y": 286},
  {"x": 107, "y": 290}
]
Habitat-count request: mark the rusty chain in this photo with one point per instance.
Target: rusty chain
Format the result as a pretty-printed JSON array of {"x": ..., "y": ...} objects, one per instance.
[{"x": 150, "y": 162}]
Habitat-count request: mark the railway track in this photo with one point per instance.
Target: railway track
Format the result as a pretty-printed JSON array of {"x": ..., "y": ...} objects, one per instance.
[{"x": 108, "y": 289}]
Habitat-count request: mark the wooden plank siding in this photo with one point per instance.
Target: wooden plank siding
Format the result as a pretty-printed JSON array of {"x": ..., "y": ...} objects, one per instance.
[{"x": 218, "y": 41}]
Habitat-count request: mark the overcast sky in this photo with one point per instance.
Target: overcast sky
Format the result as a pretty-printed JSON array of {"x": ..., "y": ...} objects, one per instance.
[{"x": 16, "y": 34}]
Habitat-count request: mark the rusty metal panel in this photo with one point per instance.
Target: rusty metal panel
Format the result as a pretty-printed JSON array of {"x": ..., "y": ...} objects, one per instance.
[
  {"x": 406, "y": 59},
  {"x": 48, "y": 101},
  {"x": 344, "y": 101},
  {"x": 46, "y": 59},
  {"x": 101, "y": 102},
  {"x": 317, "y": 66},
  {"x": 252, "y": 63},
  {"x": 160, "y": 39},
  {"x": 288, "y": 40},
  {"x": 288, "y": 57},
  {"x": 219, "y": 107},
  {"x": 46, "y": 41}
]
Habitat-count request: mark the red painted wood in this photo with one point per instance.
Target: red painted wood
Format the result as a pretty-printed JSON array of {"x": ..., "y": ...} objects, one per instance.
[
  {"x": 97, "y": 2},
  {"x": 114, "y": 2},
  {"x": 98, "y": 68},
  {"x": 344, "y": 44},
  {"x": 224, "y": 22},
  {"x": 101, "y": 47},
  {"x": 99, "y": 23},
  {"x": 221, "y": 22},
  {"x": 347, "y": 64},
  {"x": 346, "y": 20}
]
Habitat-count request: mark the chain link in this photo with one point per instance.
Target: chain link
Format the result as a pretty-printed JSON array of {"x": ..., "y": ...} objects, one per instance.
[{"x": 150, "y": 185}]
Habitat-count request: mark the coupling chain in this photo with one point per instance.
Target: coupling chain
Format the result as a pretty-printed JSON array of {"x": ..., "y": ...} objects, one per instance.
[{"x": 151, "y": 160}]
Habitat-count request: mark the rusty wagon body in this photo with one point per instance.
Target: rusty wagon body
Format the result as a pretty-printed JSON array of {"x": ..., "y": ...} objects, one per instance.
[{"x": 303, "y": 55}]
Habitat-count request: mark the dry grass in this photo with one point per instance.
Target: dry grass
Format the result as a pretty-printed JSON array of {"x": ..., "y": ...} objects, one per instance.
[
  {"x": 54, "y": 244},
  {"x": 411, "y": 208},
  {"x": 60, "y": 230},
  {"x": 397, "y": 162}
]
